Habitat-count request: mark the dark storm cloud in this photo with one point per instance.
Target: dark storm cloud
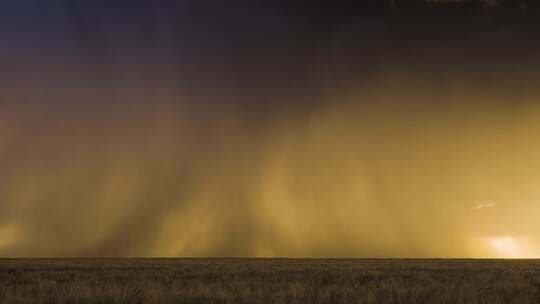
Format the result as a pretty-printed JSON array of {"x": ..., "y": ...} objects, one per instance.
[{"x": 263, "y": 128}]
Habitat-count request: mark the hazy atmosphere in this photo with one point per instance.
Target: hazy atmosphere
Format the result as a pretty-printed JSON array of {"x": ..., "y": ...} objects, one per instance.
[{"x": 268, "y": 129}]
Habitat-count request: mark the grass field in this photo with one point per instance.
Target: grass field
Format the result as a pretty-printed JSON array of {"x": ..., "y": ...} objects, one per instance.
[{"x": 269, "y": 281}]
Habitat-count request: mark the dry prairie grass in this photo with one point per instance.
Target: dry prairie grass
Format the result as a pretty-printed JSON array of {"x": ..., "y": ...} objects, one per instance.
[{"x": 269, "y": 281}]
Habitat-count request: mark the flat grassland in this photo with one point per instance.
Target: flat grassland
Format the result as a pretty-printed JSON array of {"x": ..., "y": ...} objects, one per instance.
[{"x": 269, "y": 281}]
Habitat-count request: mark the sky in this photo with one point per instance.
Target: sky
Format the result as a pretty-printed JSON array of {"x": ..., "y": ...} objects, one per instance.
[{"x": 269, "y": 129}]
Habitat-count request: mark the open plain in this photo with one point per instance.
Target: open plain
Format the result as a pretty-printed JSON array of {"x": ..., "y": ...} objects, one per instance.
[{"x": 269, "y": 281}]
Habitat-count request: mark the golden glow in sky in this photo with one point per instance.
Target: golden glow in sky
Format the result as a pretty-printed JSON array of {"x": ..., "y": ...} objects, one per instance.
[
  {"x": 513, "y": 247},
  {"x": 506, "y": 247}
]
